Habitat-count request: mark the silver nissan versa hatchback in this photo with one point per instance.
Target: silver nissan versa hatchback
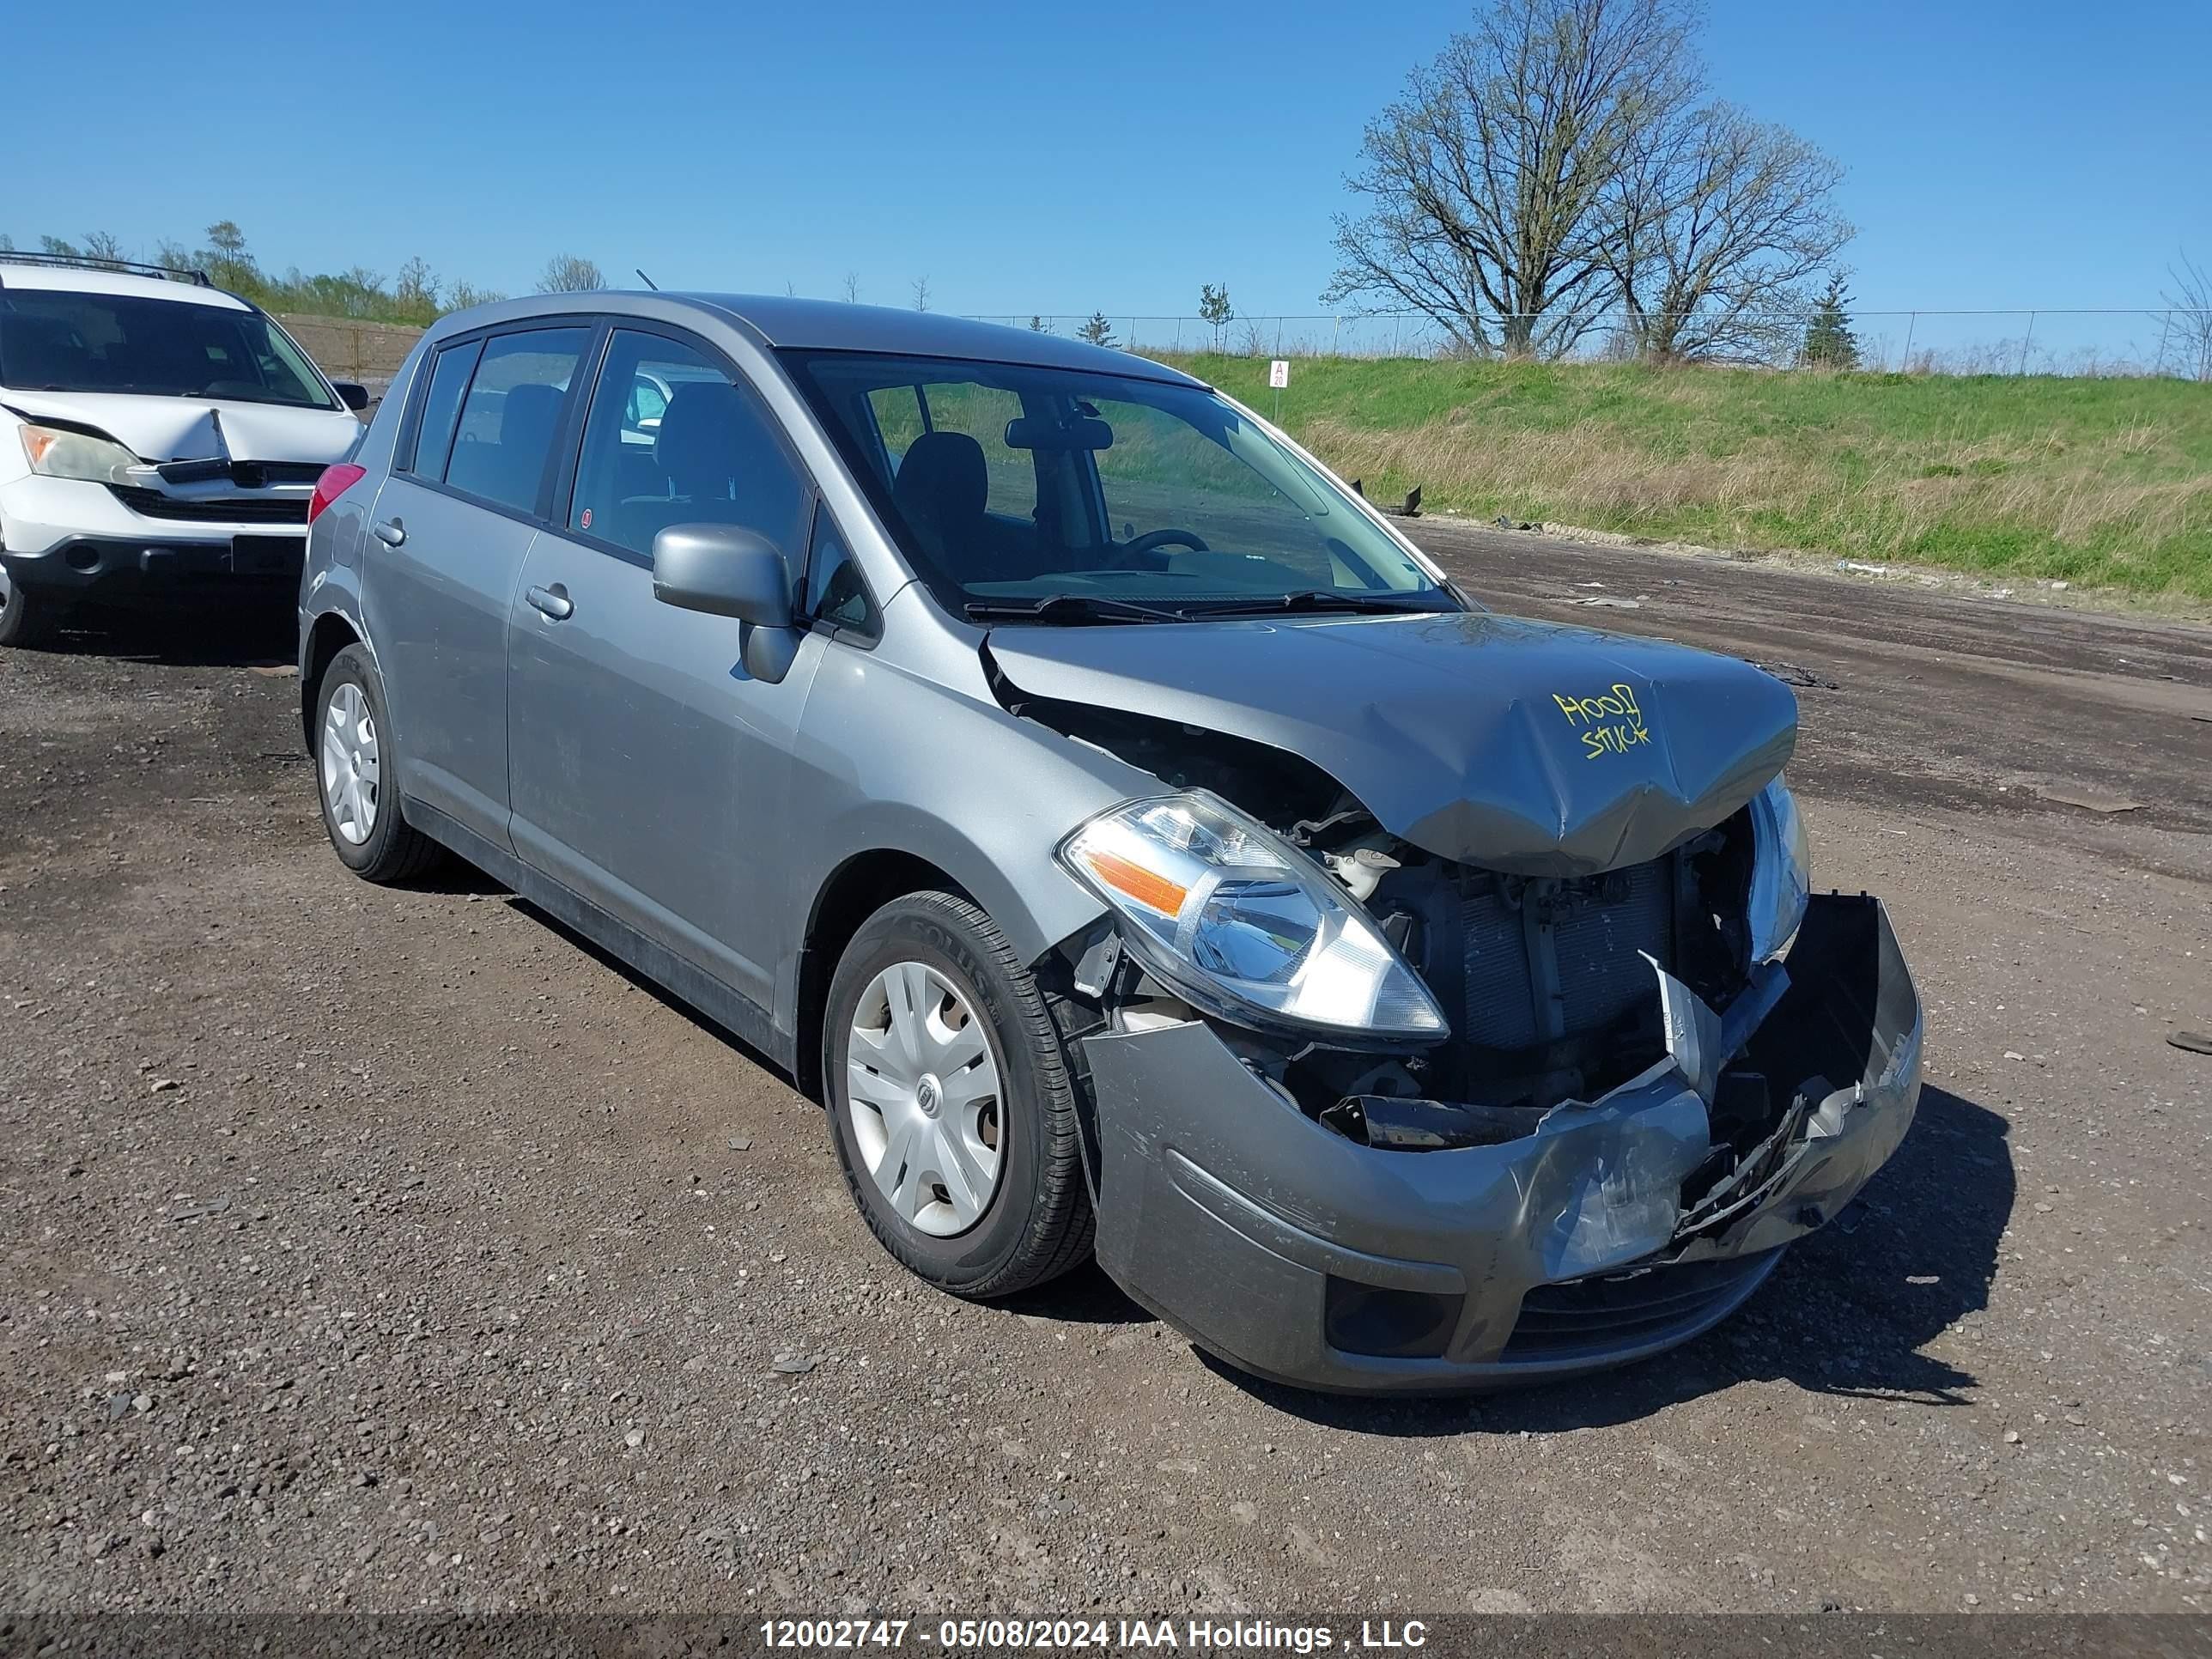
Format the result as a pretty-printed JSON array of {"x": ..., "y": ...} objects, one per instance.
[{"x": 1136, "y": 844}]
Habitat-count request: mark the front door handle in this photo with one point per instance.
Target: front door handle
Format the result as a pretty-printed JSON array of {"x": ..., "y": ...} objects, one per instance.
[
  {"x": 553, "y": 601},
  {"x": 390, "y": 532}
]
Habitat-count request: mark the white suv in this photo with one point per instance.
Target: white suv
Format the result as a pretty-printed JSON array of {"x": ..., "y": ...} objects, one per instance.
[{"x": 154, "y": 432}]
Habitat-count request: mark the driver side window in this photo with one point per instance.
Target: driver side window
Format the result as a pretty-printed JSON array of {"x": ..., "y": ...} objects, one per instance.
[{"x": 711, "y": 455}]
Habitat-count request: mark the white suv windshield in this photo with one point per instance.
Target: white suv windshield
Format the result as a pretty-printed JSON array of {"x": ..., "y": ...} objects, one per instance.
[
  {"x": 1011, "y": 486},
  {"x": 51, "y": 340}
]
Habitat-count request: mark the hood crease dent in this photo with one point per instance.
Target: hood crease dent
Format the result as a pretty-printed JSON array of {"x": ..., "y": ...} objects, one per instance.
[
  {"x": 178, "y": 428},
  {"x": 1537, "y": 748}
]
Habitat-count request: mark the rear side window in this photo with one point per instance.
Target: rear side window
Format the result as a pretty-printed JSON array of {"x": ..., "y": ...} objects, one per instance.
[
  {"x": 672, "y": 439},
  {"x": 512, "y": 414},
  {"x": 449, "y": 379}
]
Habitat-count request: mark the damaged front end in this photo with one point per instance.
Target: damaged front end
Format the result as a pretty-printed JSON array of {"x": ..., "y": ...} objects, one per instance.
[{"x": 1637, "y": 1088}]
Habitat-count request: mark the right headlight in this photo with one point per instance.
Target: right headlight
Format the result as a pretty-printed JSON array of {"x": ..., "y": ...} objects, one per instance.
[
  {"x": 55, "y": 451},
  {"x": 1781, "y": 871},
  {"x": 1244, "y": 925}
]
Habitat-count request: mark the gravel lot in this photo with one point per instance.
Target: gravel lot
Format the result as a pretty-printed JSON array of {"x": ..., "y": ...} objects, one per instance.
[{"x": 388, "y": 1250}]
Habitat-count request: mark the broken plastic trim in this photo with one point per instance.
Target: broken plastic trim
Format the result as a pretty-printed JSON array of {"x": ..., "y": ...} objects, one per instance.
[{"x": 1690, "y": 1185}]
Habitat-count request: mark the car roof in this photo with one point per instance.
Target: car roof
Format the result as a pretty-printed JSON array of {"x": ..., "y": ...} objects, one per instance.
[
  {"x": 84, "y": 279},
  {"x": 781, "y": 323}
]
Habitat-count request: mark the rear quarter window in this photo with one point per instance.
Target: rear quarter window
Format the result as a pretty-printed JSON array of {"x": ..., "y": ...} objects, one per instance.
[{"x": 449, "y": 378}]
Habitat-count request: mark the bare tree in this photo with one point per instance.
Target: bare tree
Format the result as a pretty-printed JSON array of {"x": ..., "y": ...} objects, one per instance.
[
  {"x": 570, "y": 273},
  {"x": 418, "y": 285},
  {"x": 1720, "y": 221},
  {"x": 922, "y": 294},
  {"x": 852, "y": 287},
  {"x": 2189, "y": 316},
  {"x": 1486, "y": 180},
  {"x": 103, "y": 245}
]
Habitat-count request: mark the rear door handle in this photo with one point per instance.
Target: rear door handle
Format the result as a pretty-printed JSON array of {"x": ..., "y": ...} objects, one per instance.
[
  {"x": 553, "y": 601},
  {"x": 390, "y": 532}
]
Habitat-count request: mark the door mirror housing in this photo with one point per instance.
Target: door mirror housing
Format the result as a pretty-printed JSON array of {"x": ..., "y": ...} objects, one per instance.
[
  {"x": 352, "y": 393},
  {"x": 724, "y": 570}
]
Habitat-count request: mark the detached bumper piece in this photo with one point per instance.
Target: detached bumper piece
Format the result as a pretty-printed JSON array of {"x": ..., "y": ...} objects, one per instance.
[{"x": 1425, "y": 1247}]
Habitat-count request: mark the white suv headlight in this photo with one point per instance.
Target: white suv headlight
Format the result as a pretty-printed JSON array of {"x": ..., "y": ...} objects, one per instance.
[
  {"x": 1781, "y": 871},
  {"x": 57, "y": 453},
  {"x": 1244, "y": 925}
]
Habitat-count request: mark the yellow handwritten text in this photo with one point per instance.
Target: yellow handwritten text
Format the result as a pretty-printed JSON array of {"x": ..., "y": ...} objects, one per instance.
[{"x": 1608, "y": 724}]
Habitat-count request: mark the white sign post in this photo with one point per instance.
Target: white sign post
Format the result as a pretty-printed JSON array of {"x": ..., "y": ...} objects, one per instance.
[{"x": 1278, "y": 376}]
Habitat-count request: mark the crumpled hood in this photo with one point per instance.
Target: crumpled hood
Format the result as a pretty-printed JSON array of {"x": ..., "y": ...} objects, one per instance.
[
  {"x": 178, "y": 429},
  {"x": 1517, "y": 746}
]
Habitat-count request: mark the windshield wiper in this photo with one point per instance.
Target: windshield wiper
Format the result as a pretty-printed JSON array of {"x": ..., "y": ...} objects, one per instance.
[
  {"x": 1070, "y": 608},
  {"x": 1314, "y": 599}
]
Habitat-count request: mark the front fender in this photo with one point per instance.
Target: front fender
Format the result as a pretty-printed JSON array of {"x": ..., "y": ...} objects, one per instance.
[{"x": 892, "y": 759}]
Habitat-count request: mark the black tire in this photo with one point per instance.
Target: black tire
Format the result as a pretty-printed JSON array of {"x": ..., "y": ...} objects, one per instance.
[
  {"x": 26, "y": 618},
  {"x": 1038, "y": 1225},
  {"x": 394, "y": 850}
]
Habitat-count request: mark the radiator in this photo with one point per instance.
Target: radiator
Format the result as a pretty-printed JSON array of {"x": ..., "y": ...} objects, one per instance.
[{"x": 1594, "y": 930}]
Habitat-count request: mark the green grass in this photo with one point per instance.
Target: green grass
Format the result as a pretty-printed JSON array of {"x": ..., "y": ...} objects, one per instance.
[{"x": 2103, "y": 483}]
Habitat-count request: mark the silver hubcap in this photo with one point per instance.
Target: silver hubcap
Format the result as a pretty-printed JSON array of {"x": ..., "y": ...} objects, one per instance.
[
  {"x": 921, "y": 1090},
  {"x": 6, "y": 587},
  {"x": 351, "y": 766}
]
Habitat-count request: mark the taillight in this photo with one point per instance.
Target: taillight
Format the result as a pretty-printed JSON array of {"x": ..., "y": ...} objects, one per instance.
[{"x": 334, "y": 482}]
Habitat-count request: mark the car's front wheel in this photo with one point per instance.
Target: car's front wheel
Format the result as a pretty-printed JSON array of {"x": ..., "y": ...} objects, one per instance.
[
  {"x": 950, "y": 1103},
  {"x": 354, "y": 765},
  {"x": 25, "y": 618}
]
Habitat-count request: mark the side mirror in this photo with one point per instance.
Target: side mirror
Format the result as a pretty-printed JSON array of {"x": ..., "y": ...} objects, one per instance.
[
  {"x": 352, "y": 393},
  {"x": 723, "y": 570}
]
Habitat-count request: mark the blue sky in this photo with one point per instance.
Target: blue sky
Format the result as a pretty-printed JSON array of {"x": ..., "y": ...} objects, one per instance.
[{"x": 1040, "y": 157}]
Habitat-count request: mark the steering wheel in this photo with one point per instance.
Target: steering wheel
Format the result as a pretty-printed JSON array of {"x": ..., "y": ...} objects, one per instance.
[{"x": 1152, "y": 540}]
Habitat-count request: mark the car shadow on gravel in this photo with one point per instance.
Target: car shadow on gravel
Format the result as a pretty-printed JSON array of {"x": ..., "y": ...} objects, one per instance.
[
  {"x": 1850, "y": 1311},
  {"x": 260, "y": 630}
]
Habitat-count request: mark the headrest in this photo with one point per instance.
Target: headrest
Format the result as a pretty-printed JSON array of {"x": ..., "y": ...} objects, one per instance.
[
  {"x": 943, "y": 479},
  {"x": 701, "y": 440},
  {"x": 528, "y": 414}
]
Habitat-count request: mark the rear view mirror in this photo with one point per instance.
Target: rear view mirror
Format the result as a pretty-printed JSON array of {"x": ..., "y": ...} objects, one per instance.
[
  {"x": 1033, "y": 432},
  {"x": 724, "y": 570},
  {"x": 352, "y": 394}
]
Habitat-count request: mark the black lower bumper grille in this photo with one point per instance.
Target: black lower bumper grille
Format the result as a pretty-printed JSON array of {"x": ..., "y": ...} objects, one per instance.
[
  {"x": 213, "y": 510},
  {"x": 1604, "y": 1313}
]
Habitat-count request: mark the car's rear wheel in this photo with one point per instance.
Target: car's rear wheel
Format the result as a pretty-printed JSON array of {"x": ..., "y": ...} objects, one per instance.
[
  {"x": 25, "y": 618},
  {"x": 950, "y": 1104},
  {"x": 353, "y": 767}
]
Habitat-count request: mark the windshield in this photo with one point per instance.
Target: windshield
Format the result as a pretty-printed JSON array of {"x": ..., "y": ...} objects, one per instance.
[
  {"x": 54, "y": 341},
  {"x": 1098, "y": 497}
]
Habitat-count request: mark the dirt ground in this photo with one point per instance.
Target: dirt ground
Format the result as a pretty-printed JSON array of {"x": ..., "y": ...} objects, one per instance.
[{"x": 389, "y": 1250}]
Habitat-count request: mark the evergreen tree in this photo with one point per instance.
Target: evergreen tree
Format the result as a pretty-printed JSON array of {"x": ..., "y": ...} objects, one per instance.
[
  {"x": 1830, "y": 342},
  {"x": 1098, "y": 331}
]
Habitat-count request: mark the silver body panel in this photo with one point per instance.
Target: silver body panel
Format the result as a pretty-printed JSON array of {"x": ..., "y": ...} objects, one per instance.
[{"x": 613, "y": 758}]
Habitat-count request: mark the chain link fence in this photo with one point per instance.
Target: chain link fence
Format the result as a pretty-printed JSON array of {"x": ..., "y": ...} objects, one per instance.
[{"x": 2176, "y": 343}]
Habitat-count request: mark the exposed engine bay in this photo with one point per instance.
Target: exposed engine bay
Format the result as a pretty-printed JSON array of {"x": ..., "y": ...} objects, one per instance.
[{"x": 1551, "y": 983}]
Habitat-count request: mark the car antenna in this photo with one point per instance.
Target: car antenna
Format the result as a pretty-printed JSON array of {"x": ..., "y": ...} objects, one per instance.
[{"x": 646, "y": 280}]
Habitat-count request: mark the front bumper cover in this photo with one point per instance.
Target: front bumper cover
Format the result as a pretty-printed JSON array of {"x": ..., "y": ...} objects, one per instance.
[{"x": 1304, "y": 1256}]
